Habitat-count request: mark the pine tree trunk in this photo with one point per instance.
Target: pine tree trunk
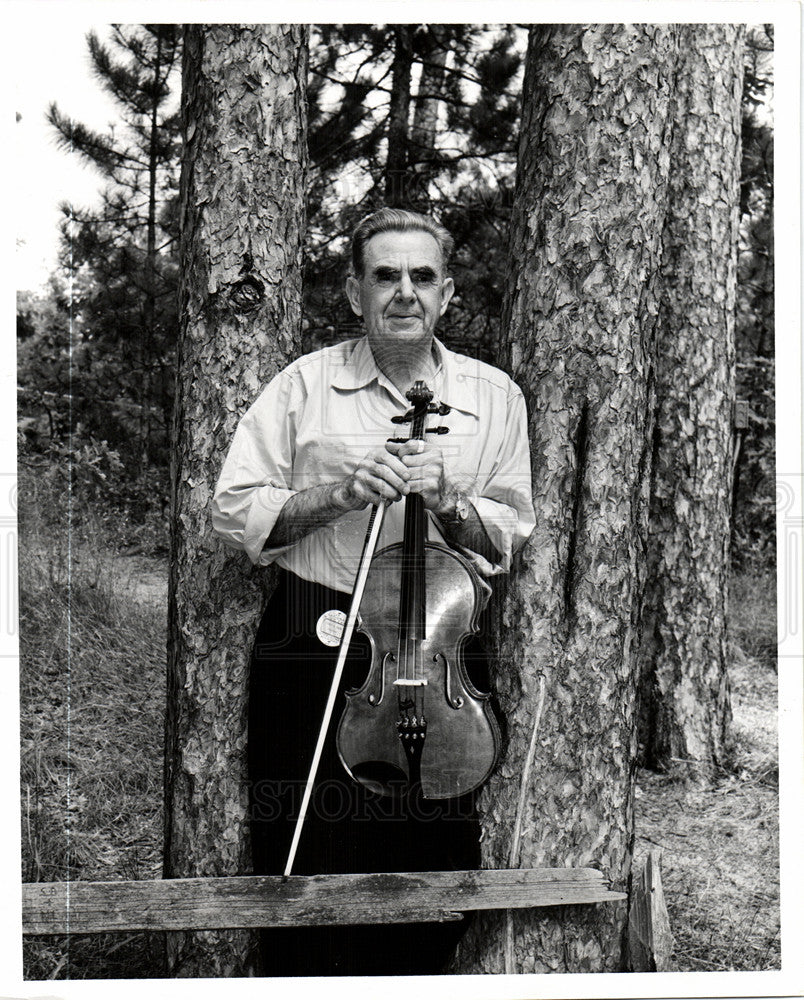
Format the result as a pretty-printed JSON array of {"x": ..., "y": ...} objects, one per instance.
[
  {"x": 578, "y": 328},
  {"x": 243, "y": 103},
  {"x": 150, "y": 257},
  {"x": 685, "y": 700},
  {"x": 396, "y": 162},
  {"x": 428, "y": 96},
  {"x": 426, "y": 107}
]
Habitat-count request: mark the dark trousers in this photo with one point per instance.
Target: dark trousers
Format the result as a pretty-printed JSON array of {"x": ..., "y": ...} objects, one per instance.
[{"x": 348, "y": 828}]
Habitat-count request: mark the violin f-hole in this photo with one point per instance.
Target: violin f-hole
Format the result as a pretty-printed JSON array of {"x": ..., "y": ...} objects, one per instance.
[
  {"x": 373, "y": 698},
  {"x": 457, "y": 701}
]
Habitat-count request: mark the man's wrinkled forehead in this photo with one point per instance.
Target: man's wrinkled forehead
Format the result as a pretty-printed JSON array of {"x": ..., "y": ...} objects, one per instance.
[{"x": 412, "y": 248}]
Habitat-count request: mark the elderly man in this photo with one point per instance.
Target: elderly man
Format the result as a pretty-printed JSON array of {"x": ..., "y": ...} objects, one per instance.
[{"x": 308, "y": 460}]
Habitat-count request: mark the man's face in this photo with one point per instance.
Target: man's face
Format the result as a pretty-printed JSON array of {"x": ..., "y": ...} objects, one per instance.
[{"x": 403, "y": 291}]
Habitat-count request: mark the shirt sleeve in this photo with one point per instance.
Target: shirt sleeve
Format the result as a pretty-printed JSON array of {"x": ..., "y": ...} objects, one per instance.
[
  {"x": 504, "y": 500},
  {"x": 256, "y": 479}
]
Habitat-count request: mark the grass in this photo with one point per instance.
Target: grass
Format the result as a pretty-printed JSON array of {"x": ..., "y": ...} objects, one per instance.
[
  {"x": 92, "y": 694},
  {"x": 92, "y": 691}
]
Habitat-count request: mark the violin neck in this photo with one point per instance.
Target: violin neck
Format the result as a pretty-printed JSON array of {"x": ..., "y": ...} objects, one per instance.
[{"x": 412, "y": 604}]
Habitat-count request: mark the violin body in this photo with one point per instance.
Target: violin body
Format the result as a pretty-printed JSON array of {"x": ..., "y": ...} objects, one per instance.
[{"x": 418, "y": 717}]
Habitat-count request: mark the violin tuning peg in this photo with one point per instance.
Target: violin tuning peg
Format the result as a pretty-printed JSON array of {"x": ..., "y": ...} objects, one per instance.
[
  {"x": 438, "y": 430},
  {"x": 443, "y": 409},
  {"x": 397, "y": 440}
]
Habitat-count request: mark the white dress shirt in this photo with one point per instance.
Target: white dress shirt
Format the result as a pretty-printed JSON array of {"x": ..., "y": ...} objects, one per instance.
[{"x": 314, "y": 422}]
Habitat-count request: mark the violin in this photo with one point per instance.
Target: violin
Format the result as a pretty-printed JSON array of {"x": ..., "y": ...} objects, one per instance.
[{"x": 417, "y": 719}]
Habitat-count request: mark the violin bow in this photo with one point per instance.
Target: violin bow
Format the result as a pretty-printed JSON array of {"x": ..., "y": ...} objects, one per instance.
[{"x": 369, "y": 545}]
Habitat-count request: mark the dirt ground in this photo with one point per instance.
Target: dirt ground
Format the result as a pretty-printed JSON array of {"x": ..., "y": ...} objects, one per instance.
[
  {"x": 143, "y": 577},
  {"x": 719, "y": 842}
]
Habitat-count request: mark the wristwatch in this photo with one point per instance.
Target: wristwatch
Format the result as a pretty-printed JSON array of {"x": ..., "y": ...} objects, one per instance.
[{"x": 460, "y": 512}]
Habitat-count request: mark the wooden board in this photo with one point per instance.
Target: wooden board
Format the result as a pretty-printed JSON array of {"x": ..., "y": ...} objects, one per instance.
[
  {"x": 268, "y": 901},
  {"x": 650, "y": 941}
]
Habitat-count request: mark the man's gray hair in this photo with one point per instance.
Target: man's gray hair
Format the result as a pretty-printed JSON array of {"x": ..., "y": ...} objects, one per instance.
[{"x": 396, "y": 220}]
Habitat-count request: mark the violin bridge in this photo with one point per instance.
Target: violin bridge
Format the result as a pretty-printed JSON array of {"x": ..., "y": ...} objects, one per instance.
[{"x": 411, "y": 682}]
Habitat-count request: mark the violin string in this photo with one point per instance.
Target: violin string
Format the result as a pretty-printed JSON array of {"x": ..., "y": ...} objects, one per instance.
[
  {"x": 419, "y": 565},
  {"x": 412, "y": 611},
  {"x": 406, "y": 579},
  {"x": 419, "y": 570}
]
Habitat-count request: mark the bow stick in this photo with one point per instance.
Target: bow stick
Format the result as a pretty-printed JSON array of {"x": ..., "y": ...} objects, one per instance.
[{"x": 369, "y": 545}]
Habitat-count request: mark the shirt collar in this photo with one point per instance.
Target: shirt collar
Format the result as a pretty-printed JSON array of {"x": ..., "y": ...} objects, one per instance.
[
  {"x": 458, "y": 375},
  {"x": 459, "y": 388},
  {"x": 359, "y": 368}
]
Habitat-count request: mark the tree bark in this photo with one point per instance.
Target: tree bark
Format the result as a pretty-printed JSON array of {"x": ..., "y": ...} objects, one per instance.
[
  {"x": 242, "y": 204},
  {"x": 150, "y": 259},
  {"x": 396, "y": 162},
  {"x": 578, "y": 336},
  {"x": 422, "y": 145},
  {"x": 685, "y": 698},
  {"x": 428, "y": 94}
]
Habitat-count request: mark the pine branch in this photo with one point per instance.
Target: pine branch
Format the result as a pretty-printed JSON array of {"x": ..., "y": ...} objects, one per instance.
[
  {"x": 94, "y": 147},
  {"x": 119, "y": 81},
  {"x": 77, "y": 138}
]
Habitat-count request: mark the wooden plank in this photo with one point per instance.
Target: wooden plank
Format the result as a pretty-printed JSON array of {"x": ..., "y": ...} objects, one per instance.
[
  {"x": 650, "y": 941},
  {"x": 268, "y": 901}
]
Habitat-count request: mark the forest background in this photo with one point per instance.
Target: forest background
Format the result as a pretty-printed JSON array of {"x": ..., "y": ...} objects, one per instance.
[{"x": 96, "y": 359}]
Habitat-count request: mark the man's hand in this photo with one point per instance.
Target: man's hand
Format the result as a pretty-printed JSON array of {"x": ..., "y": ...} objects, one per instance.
[
  {"x": 424, "y": 470},
  {"x": 425, "y": 465},
  {"x": 380, "y": 475},
  {"x": 392, "y": 472},
  {"x": 387, "y": 473}
]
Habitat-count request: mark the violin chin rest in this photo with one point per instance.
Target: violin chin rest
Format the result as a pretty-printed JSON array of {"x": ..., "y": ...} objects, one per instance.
[{"x": 381, "y": 777}]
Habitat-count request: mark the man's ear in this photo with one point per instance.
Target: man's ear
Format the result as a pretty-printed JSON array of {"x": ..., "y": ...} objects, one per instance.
[
  {"x": 447, "y": 291},
  {"x": 353, "y": 294}
]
